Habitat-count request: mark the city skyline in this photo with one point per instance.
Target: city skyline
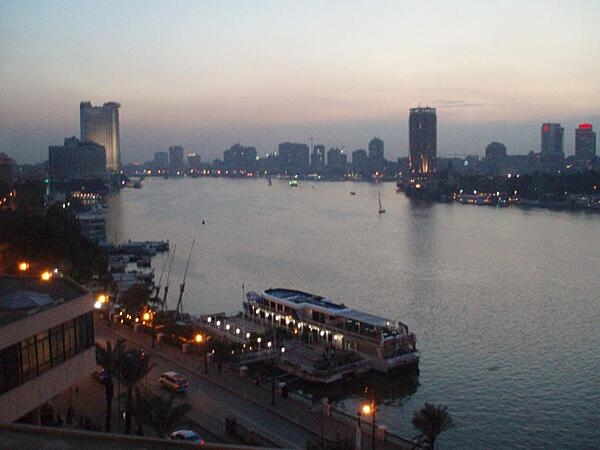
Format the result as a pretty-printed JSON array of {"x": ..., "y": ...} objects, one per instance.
[{"x": 265, "y": 73}]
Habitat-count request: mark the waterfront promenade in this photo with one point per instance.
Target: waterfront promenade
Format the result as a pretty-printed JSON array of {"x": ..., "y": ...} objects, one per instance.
[{"x": 290, "y": 423}]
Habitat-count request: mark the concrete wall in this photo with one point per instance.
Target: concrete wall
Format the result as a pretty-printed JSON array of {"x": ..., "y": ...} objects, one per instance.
[
  {"x": 44, "y": 320},
  {"x": 24, "y": 398}
]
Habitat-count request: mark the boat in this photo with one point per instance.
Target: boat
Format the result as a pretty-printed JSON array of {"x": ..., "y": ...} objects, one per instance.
[
  {"x": 352, "y": 193},
  {"x": 381, "y": 210},
  {"x": 384, "y": 343},
  {"x": 293, "y": 183}
]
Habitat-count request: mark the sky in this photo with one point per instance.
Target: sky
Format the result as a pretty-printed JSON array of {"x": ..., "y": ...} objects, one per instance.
[{"x": 209, "y": 74}]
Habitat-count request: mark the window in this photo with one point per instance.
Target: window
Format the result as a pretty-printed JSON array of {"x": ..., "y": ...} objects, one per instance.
[
  {"x": 28, "y": 359},
  {"x": 69, "y": 333},
  {"x": 85, "y": 332},
  {"x": 42, "y": 343},
  {"x": 10, "y": 375},
  {"x": 57, "y": 345}
]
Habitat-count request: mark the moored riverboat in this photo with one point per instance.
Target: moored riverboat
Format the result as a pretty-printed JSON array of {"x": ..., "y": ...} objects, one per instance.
[{"x": 384, "y": 343}]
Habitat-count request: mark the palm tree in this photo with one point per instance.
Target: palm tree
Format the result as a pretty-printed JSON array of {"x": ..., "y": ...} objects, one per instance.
[
  {"x": 142, "y": 409},
  {"x": 164, "y": 414},
  {"x": 107, "y": 358},
  {"x": 431, "y": 421},
  {"x": 133, "y": 366}
]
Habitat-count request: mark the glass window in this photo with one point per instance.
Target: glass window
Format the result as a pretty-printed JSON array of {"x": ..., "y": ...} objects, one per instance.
[
  {"x": 28, "y": 359},
  {"x": 69, "y": 333},
  {"x": 85, "y": 332},
  {"x": 57, "y": 345},
  {"x": 10, "y": 373},
  {"x": 42, "y": 343}
]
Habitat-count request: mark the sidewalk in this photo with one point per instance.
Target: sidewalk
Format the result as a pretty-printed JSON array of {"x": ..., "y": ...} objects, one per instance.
[{"x": 298, "y": 414}]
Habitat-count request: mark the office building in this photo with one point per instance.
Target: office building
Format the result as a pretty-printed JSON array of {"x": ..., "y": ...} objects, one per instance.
[
  {"x": 422, "y": 136},
  {"x": 239, "y": 157},
  {"x": 100, "y": 124},
  {"x": 161, "y": 160},
  {"x": 76, "y": 160},
  {"x": 337, "y": 161},
  {"x": 360, "y": 162},
  {"x": 376, "y": 157},
  {"x": 194, "y": 161},
  {"x": 175, "y": 159},
  {"x": 293, "y": 158},
  {"x": 585, "y": 142},
  {"x": 317, "y": 159},
  {"x": 6, "y": 175},
  {"x": 552, "y": 142},
  {"x": 46, "y": 342}
]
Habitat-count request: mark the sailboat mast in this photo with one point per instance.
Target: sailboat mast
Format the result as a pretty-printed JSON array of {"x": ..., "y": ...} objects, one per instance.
[
  {"x": 179, "y": 309},
  {"x": 164, "y": 302}
]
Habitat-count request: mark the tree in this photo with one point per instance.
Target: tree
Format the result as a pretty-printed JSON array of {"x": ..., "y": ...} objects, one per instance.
[
  {"x": 164, "y": 414},
  {"x": 431, "y": 421},
  {"x": 107, "y": 358},
  {"x": 135, "y": 298},
  {"x": 133, "y": 366}
]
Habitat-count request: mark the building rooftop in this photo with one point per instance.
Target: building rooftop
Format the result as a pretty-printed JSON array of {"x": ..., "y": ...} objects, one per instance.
[{"x": 23, "y": 296}]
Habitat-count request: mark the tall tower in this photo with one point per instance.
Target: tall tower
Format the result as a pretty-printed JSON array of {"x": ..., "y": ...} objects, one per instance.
[
  {"x": 422, "y": 141},
  {"x": 585, "y": 142},
  {"x": 100, "y": 124},
  {"x": 552, "y": 141}
]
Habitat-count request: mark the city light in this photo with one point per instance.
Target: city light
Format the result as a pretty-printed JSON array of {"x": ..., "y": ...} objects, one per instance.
[
  {"x": 199, "y": 338},
  {"x": 366, "y": 409},
  {"x": 23, "y": 266},
  {"x": 146, "y": 316},
  {"x": 46, "y": 276}
]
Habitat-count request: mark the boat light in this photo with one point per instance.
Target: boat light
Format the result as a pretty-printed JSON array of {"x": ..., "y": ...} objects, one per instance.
[
  {"x": 247, "y": 335},
  {"x": 227, "y": 327}
]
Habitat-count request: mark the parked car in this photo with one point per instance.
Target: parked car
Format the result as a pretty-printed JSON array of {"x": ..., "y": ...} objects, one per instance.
[
  {"x": 186, "y": 435},
  {"x": 173, "y": 381}
]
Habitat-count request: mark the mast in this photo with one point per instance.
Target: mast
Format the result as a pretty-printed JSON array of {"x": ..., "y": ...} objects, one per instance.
[
  {"x": 179, "y": 309},
  {"x": 164, "y": 302}
]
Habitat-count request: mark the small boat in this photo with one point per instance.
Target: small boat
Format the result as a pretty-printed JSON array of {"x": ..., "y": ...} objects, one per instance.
[
  {"x": 352, "y": 193},
  {"x": 381, "y": 210},
  {"x": 293, "y": 183}
]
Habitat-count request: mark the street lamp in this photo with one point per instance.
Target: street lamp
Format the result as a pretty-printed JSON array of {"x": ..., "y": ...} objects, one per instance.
[{"x": 369, "y": 409}]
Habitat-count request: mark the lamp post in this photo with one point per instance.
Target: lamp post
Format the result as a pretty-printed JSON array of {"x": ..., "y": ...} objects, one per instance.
[{"x": 370, "y": 409}]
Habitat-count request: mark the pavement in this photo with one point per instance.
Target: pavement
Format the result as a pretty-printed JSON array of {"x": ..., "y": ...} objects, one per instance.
[{"x": 217, "y": 395}]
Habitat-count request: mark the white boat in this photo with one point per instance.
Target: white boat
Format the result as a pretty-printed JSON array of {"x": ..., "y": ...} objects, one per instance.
[{"x": 385, "y": 343}]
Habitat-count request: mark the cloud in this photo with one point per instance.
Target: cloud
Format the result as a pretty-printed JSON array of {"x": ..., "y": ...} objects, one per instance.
[{"x": 441, "y": 103}]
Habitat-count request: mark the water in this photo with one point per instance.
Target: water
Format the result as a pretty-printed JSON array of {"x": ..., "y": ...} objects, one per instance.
[{"x": 504, "y": 302}]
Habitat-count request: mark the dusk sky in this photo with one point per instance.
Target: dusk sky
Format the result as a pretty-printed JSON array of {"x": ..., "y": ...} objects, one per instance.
[{"x": 209, "y": 74}]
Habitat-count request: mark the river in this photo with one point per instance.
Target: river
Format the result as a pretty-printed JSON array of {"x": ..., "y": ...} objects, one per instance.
[{"x": 505, "y": 302}]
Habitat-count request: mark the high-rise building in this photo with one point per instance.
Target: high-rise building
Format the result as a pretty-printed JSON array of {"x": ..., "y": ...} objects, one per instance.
[
  {"x": 161, "y": 160},
  {"x": 240, "y": 157},
  {"x": 552, "y": 141},
  {"x": 76, "y": 160},
  {"x": 194, "y": 161},
  {"x": 175, "y": 158},
  {"x": 6, "y": 174},
  {"x": 317, "y": 159},
  {"x": 336, "y": 162},
  {"x": 100, "y": 124},
  {"x": 376, "y": 155},
  {"x": 585, "y": 142},
  {"x": 293, "y": 158},
  {"x": 360, "y": 161},
  {"x": 422, "y": 137}
]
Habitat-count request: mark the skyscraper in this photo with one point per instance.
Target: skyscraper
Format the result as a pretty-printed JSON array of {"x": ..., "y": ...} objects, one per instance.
[
  {"x": 585, "y": 142},
  {"x": 100, "y": 124},
  {"x": 552, "y": 141},
  {"x": 422, "y": 137},
  {"x": 317, "y": 159},
  {"x": 293, "y": 158},
  {"x": 376, "y": 155},
  {"x": 175, "y": 158}
]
